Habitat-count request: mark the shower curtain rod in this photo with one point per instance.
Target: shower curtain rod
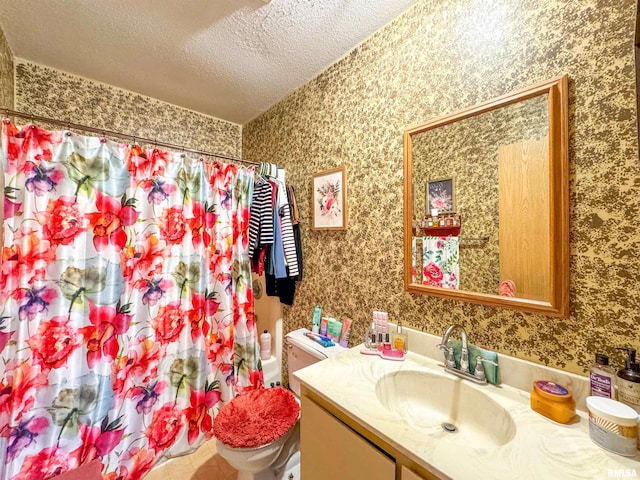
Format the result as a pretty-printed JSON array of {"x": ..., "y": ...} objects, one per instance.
[{"x": 101, "y": 131}]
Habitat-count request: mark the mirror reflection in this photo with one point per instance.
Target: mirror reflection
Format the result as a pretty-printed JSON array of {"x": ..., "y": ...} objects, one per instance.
[
  {"x": 482, "y": 187},
  {"x": 499, "y": 166}
]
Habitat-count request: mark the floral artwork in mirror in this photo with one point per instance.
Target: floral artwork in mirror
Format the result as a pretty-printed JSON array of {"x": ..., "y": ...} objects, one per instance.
[
  {"x": 509, "y": 159},
  {"x": 440, "y": 196},
  {"x": 329, "y": 200}
]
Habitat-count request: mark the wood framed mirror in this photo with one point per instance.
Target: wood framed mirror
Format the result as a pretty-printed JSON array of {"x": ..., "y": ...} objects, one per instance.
[{"x": 509, "y": 159}]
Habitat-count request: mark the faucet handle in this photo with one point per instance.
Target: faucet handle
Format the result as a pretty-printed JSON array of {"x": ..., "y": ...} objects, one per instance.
[
  {"x": 451, "y": 360},
  {"x": 479, "y": 371}
]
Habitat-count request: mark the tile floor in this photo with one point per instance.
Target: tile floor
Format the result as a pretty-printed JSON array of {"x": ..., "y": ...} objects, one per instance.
[{"x": 203, "y": 464}]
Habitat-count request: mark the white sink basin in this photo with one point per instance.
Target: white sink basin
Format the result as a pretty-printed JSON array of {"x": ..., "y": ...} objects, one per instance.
[{"x": 426, "y": 401}]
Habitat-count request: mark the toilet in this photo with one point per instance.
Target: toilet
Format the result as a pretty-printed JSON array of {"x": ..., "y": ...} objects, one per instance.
[{"x": 276, "y": 456}]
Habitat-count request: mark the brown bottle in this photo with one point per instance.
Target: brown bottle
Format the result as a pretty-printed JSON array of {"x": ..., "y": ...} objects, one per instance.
[{"x": 629, "y": 381}]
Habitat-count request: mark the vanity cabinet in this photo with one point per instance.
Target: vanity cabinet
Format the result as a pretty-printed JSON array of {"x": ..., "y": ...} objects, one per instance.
[
  {"x": 406, "y": 474},
  {"x": 330, "y": 449}
]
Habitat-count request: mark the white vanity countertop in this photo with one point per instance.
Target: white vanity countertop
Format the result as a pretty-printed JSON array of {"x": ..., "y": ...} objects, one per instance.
[{"x": 540, "y": 448}]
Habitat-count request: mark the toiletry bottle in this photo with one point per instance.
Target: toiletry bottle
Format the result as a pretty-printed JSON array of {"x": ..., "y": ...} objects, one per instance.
[
  {"x": 334, "y": 329},
  {"x": 385, "y": 317},
  {"x": 265, "y": 345},
  {"x": 379, "y": 328},
  {"x": 399, "y": 339},
  {"x": 602, "y": 380},
  {"x": 346, "y": 331},
  {"x": 324, "y": 323},
  {"x": 370, "y": 340},
  {"x": 629, "y": 381},
  {"x": 317, "y": 313},
  {"x": 384, "y": 339}
]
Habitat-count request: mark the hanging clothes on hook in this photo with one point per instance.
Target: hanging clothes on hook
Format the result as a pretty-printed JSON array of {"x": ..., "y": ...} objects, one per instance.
[
  {"x": 261, "y": 221},
  {"x": 285, "y": 225},
  {"x": 295, "y": 223},
  {"x": 274, "y": 245}
]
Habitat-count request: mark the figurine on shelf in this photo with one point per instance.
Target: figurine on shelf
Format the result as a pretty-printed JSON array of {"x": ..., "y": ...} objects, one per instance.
[
  {"x": 443, "y": 225},
  {"x": 434, "y": 221}
]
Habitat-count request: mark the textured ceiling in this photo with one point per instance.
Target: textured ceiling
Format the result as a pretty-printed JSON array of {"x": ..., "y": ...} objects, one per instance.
[{"x": 231, "y": 59}]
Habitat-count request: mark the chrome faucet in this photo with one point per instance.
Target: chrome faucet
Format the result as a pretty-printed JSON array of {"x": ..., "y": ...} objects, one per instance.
[{"x": 478, "y": 376}]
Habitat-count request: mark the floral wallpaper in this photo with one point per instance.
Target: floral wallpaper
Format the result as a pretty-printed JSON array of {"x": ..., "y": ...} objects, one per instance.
[
  {"x": 52, "y": 93},
  {"x": 437, "y": 58},
  {"x": 6, "y": 73}
]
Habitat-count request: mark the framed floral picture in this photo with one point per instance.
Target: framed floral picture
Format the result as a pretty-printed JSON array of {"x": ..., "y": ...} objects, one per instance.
[
  {"x": 329, "y": 200},
  {"x": 440, "y": 195}
]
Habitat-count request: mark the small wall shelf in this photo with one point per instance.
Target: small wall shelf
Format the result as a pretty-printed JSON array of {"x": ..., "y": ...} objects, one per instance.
[{"x": 442, "y": 231}]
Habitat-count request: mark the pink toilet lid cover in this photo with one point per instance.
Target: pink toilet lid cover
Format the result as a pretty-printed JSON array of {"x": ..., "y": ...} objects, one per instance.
[{"x": 256, "y": 417}]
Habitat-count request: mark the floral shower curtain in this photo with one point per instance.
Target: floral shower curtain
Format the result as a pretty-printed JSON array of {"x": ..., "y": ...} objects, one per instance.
[{"x": 126, "y": 304}]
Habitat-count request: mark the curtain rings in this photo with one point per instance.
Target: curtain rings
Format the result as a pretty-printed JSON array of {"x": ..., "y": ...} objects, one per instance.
[{"x": 104, "y": 137}]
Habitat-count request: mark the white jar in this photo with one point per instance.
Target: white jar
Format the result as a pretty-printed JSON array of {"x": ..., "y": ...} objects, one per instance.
[
  {"x": 265, "y": 345},
  {"x": 613, "y": 425}
]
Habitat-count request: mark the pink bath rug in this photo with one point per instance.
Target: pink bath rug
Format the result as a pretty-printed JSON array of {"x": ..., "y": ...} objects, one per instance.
[{"x": 256, "y": 417}]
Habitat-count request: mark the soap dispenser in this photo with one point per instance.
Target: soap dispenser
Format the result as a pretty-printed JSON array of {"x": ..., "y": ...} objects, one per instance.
[{"x": 629, "y": 381}]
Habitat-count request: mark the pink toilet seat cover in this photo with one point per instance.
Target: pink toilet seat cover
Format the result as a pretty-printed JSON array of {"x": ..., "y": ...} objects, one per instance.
[{"x": 256, "y": 418}]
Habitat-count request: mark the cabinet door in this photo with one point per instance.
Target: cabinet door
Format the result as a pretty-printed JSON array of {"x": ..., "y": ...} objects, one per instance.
[
  {"x": 407, "y": 474},
  {"x": 331, "y": 450}
]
